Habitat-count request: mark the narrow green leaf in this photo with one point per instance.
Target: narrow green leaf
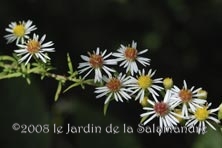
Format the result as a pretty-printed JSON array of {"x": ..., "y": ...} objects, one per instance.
[
  {"x": 7, "y": 58},
  {"x": 105, "y": 108},
  {"x": 58, "y": 91},
  {"x": 91, "y": 82},
  {"x": 28, "y": 80},
  {"x": 69, "y": 64},
  {"x": 42, "y": 77},
  {"x": 71, "y": 86},
  {"x": 10, "y": 75},
  {"x": 23, "y": 67},
  {"x": 83, "y": 86},
  {"x": 34, "y": 70}
]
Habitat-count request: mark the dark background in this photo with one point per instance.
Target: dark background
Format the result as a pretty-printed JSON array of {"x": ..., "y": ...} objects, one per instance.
[{"x": 184, "y": 42}]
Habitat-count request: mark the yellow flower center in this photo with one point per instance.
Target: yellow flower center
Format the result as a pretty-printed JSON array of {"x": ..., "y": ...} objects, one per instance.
[
  {"x": 114, "y": 85},
  {"x": 201, "y": 114},
  {"x": 161, "y": 108},
  {"x": 96, "y": 61},
  {"x": 144, "y": 81},
  {"x": 33, "y": 46},
  {"x": 131, "y": 54},
  {"x": 19, "y": 30},
  {"x": 185, "y": 95}
]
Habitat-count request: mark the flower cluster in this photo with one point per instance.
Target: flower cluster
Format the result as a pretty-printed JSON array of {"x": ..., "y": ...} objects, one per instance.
[
  {"x": 177, "y": 104},
  {"x": 122, "y": 75},
  {"x": 114, "y": 84},
  {"x": 187, "y": 106},
  {"x": 28, "y": 47}
]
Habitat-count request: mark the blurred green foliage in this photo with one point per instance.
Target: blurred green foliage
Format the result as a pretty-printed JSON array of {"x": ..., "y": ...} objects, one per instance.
[
  {"x": 211, "y": 139},
  {"x": 24, "y": 104}
]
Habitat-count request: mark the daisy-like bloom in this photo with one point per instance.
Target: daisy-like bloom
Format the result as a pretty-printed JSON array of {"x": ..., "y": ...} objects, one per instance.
[
  {"x": 144, "y": 83},
  {"x": 129, "y": 56},
  {"x": 189, "y": 98},
  {"x": 115, "y": 88},
  {"x": 162, "y": 110},
  {"x": 97, "y": 61},
  {"x": 19, "y": 31},
  {"x": 34, "y": 47},
  {"x": 202, "y": 116}
]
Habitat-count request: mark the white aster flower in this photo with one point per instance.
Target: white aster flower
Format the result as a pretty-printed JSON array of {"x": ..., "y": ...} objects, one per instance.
[
  {"x": 162, "y": 110},
  {"x": 115, "y": 88},
  {"x": 144, "y": 83},
  {"x": 97, "y": 61},
  {"x": 19, "y": 31},
  {"x": 189, "y": 98},
  {"x": 129, "y": 56},
  {"x": 34, "y": 47},
  {"x": 202, "y": 116}
]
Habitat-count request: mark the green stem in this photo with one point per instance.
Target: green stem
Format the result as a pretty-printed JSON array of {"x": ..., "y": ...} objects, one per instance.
[{"x": 15, "y": 67}]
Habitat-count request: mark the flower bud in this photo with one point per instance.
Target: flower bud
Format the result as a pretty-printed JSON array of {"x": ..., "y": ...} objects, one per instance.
[
  {"x": 144, "y": 102},
  {"x": 168, "y": 83},
  {"x": 202, "y": 94}
]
